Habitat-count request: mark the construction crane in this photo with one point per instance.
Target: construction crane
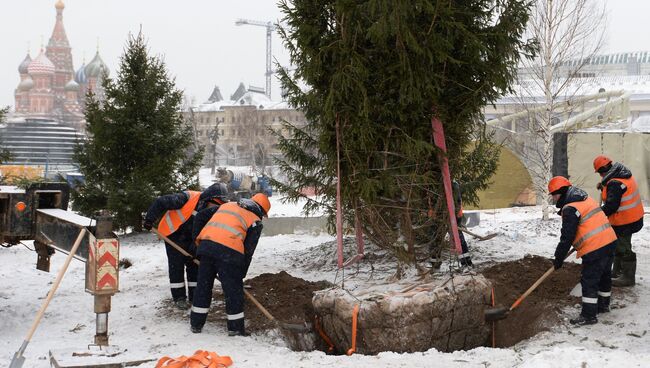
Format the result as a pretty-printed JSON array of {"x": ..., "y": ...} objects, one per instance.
[{"x": 270, "y": 27}]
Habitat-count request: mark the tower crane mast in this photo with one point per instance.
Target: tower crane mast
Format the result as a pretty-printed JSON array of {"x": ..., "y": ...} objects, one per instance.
[{"x": 270, "y": 28}]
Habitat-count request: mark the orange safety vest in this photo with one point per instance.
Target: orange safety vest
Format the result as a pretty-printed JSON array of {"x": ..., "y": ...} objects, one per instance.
[
  {"x": 228, "y": 226},
  {"x": 631, "y": 208},
  {"x": 594, "y": 231},
  {"x": 173, "y": 219}
]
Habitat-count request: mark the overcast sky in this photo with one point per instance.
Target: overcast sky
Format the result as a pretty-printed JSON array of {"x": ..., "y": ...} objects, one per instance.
[{"x": 198, "y": 38}]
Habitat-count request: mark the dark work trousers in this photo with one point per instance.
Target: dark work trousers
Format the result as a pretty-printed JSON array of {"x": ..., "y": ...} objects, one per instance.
[
  {"x": 231, "y": 274},
  {"x": 464, "y": 257},
  {"x": 624, "y": 247},
  {"x": 178, "y": 265},
  {"x": 596, "y": 281}
]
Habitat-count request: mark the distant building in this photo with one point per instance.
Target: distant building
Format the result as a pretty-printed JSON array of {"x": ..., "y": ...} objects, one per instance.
[
  {"x": 239, "y": 126},
  {"x": 49, "y": 87},
  {"x": 628, "y": 72}
]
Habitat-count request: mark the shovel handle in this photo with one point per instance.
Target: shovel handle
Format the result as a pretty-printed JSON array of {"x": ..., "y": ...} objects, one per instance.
[
  {"x": 185, "y": 253},
  {"x": 536, "y": 284},
  {"x": 532, "y": 288},
  {"x": 55, "y": 286},
  {"x": 471, "y": 233},
  {"x": 174, "y": 245}
]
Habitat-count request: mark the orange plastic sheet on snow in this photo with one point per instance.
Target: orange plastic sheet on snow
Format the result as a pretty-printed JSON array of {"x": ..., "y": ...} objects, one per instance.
[{"x": 200, "y": 359}]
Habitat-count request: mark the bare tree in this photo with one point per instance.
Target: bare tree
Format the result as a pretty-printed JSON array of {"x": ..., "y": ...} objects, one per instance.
[
  {"x": 569, "y": 34},
  {"x": 255, "y": 133}
]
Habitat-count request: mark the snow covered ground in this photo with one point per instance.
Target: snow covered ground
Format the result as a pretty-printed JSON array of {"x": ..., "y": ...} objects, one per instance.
[{"x": 137, "y": 321}]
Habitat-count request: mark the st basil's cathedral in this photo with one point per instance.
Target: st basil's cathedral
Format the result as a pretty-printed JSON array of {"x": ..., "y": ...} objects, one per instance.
[{"x": 49, "y": 87}]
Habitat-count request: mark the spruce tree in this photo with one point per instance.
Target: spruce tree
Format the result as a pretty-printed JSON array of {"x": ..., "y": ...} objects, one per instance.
[
  {"x": 380, "y": 70},
  {"x": 5, "y": 155},
  {"x": 138, "y": 145}
]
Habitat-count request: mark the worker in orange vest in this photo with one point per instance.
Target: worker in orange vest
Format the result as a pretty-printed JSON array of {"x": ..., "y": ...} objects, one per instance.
[
  {"x": 586, "y": 228},
  {"x": 226, "y": 239},
  {"x": 622, "y": 205},
  {"x": 177, "y": 212}
]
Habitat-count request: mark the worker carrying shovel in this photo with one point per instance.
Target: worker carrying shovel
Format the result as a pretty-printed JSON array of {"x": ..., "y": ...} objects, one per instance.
[
  {"x": 226, "y": 238},
  {"x": 176, "y": 223},
  {"x": 586, "y": 228}
]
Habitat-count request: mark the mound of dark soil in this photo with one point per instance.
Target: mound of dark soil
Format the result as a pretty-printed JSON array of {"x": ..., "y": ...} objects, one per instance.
[
  {"x": 286, "y": 297},
  {"x": 541, "y": 309}
]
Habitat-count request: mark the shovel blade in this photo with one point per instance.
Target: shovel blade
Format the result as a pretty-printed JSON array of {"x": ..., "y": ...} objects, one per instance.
[
  {"x": 295, "y": 327},
  {"x": 496, "y": 314},
  {"x": 17, "y": 361}
]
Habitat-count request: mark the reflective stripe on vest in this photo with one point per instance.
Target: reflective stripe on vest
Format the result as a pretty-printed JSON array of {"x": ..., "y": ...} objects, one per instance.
[
  {"x": 228, "y": 226},
  {"x": 630, "y": 209},
  {"x": 173, "y": 219},
  {"x": 594, "y": 230}
]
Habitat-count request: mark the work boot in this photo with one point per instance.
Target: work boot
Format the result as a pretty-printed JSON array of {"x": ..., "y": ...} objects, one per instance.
[
  {"x": 182, "y": 304},
  {"x": 616, "y": 269},
  {"x": 467, "y": 262},
  {"x": 603, "y": 304},
  {"x": 196, "y": 329},
  {"x": 628, "y": 274},
  {"x": 435, "y": 263},
  {"x": 582, "y": 320},
  {"x": 238, "y": 333}
]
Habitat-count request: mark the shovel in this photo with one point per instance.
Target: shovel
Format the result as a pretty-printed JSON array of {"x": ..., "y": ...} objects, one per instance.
[
  {"x": 499, "y": 313},
  {"x": 18, "y": 359},
  {"x": 479, "y": 237},
  {"x": 289, "y": 326}
]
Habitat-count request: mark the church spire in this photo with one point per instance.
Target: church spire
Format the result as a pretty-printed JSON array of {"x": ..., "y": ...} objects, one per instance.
[{"x": 59, "y": 38}]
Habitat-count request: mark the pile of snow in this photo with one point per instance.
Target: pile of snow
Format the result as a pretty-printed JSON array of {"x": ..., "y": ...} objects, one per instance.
[{"x": 138, "y": 323}]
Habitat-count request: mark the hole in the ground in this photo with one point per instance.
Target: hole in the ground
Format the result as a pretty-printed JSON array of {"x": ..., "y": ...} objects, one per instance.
[
  {"x": 542, "y": 309},
  {"x": 289, "y": 300}
]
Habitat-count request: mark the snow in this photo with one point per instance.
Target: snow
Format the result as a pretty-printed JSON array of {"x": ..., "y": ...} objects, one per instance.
[
  {"x": 10, "y": 188},
  {"x": 637, "y": 85},
  {"x": 278, "y": 208},
  {"x": 68, "y": 216},
  {"x": 250, "y": 98},
  {"x": 621, "y": 339}
]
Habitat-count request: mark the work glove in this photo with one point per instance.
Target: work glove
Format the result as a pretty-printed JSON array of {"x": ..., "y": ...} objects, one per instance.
[
  {"x": 557, "y": 263},
  {"x": 147, "y": 224}
]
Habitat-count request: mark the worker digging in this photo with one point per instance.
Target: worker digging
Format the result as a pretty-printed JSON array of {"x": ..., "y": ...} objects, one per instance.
[
  {"x": 585, "y": 228},
  {"x": 176, "y": 223},
  {"x": 226, "y": 238}
]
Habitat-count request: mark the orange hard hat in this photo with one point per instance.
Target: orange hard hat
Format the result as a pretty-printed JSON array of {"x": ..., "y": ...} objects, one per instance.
[
  {"x": 558, "y": 182},
  {"x": 600, "y": 161},
  {"x": 263, "y": 201}
]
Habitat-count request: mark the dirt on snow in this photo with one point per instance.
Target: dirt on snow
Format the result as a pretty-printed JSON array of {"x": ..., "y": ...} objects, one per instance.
[{"x": 289, "y": 299}]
